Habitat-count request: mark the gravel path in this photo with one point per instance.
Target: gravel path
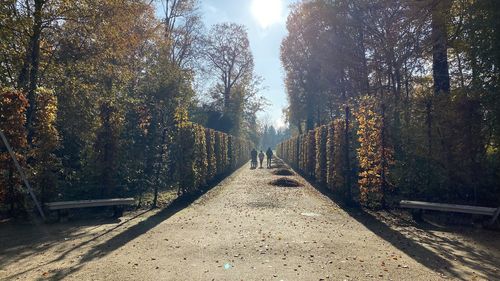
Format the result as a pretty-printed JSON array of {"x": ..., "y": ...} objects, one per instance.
[{"x": 246, "y": 229}]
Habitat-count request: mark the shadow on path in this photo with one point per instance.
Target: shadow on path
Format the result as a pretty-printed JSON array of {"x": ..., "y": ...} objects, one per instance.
[
  {"x": 105, "y": 247},
  {"x": 19, "y": 240},
  {"x": 419, "y": 242},
  {"x": 429, "y": 249},
  {"x": 135, "y": 231},
  {"x": 113, "y": 243}
]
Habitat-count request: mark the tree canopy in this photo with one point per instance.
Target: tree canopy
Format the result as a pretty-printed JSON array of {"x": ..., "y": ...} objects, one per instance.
[
  {"x": 428, "y": 69},
  {"x": 101, "y": 86}
]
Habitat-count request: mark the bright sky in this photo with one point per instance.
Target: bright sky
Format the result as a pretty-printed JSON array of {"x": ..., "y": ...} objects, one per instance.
[{"x": 265, "y": 21}]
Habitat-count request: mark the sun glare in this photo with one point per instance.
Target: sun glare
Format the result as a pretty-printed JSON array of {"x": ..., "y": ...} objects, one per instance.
[{"x": 267, "y": 12}]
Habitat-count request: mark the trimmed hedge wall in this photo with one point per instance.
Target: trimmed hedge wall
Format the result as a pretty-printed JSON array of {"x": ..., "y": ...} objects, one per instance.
[
  {"x": 205, "y": 154},
  {"x": 321, "y": 161},
  {"x": 374, "y": 154},
  {"x": 319, "y": 155},
  {"x": 324, "y": 155},
  {"x": 211, "y": 160}
]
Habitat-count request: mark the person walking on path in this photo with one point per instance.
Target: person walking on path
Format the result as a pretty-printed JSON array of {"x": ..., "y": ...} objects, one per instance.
[
  {"x": 269, "y": 154},
  {"x": 253, "y": 154},
  {"x": 261, "y": 158}
]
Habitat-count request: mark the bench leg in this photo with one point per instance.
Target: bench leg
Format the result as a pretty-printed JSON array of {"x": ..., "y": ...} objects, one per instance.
[
  {"x": 117, "y": 211},
  {"x": 62, "y": 215},
  {"x": 495, "y": 217},
  {"x": 417, "y": 215}
]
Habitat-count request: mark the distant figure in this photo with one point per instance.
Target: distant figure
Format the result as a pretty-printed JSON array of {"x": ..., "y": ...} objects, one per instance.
[
  {"x": 253, "y": 164},
  {"x": 269, "y": 154},
  {"x": 261, "y": 158}
]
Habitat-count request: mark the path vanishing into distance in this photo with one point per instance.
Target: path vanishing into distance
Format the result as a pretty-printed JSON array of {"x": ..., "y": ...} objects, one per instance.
[{"x": 246, "y": 229}]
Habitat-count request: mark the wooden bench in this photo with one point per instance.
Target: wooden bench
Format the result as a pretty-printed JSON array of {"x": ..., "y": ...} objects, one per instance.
[
  {"x": 476, "y": 210},
  {"x": 117, "y": 204}
]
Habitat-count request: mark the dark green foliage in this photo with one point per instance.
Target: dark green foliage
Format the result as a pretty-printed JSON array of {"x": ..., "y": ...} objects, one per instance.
[
  {"x": 211, "y": 160},
  {"x": 46, "y": 165},
  {"x": 218, "y": 152},
  {"x": 310, "y": 152},
  {"x": 105, "y": 150},
  {"x": 336, "y": 160}
]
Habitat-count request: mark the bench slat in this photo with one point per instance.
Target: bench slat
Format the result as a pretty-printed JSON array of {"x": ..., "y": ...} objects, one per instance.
[
  {"x": 89, "y": 203},
  {"x": 448, "y": 207}
]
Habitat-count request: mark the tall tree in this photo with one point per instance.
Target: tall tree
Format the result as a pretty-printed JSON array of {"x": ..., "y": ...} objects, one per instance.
[
  {"x": 28, "y": 77},
  {"x": 440, "y": 70},
  {"x": 229, "y": 59},
  {"x": 183, "y": 30}
]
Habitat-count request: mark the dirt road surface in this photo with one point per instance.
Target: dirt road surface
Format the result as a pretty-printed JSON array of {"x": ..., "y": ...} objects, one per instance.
[{"x": 246, "y": 229}]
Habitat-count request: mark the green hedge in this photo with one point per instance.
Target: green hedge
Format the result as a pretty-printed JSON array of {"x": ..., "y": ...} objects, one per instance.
[
  {"x": 204, "y": 155},
  {"x": 339, "y": 150},
  {"x": 211, "y": 160},
  {"x": 320, "y": 154}
]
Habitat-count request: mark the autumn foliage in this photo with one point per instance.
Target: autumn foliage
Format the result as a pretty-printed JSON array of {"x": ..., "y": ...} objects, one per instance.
[
  {"x": 374, "y": 154},
  {"x": 94, "y": 110},
  {"x": 328, "y": 150},
  {"x": 13, "y": 105},
  {"x": 422, "y": 81},
  {"x": 195, "y": 156}
]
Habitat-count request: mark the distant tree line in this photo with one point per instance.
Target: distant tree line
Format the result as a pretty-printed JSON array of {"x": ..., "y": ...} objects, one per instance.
[
  {"x": 428, "y": 72},
  {"x": 91, "y": 92},
  {"x": 270, "y": 137}
]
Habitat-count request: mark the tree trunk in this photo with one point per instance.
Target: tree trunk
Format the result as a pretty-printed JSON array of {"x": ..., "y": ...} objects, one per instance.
[
  {"x": 428, "y": 121},
  {"x": 309, "y": 120},
  {"x": 32, "y": 64},
  {"x": 358, "y": 21},
  {"x": 439, "y": 36},
  {"x": 159, "y": 167},
  {"x": 10, "y": 196}
]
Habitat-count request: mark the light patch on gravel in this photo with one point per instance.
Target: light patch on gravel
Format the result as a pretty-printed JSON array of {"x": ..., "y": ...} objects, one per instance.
[{"x": 307, "y": 214}]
